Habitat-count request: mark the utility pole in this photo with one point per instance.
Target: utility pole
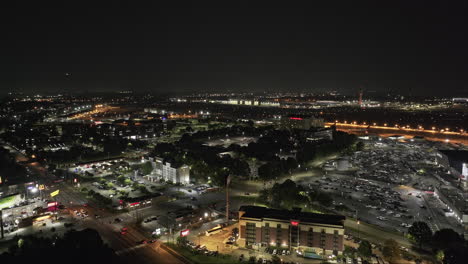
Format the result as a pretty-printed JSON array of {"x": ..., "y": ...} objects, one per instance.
[
  {"x": 360, "y": 97},
  {"x": 358, "y": 223},
  {"x": 228, "y": 181}
]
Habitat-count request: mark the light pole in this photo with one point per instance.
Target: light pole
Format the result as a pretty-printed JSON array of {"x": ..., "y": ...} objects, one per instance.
[{"x": 358, "y": 223}]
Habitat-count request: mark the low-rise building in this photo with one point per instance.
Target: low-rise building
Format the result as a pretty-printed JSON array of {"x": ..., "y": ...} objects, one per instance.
[{"x": 305, "y": 232}]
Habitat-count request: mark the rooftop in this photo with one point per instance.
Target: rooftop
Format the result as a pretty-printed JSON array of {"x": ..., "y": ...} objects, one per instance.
[{"x": 263, "y": 212}]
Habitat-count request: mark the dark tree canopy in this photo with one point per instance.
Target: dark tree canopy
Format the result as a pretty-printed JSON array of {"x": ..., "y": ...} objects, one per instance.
[
  {"x": 365, "y": 249},
  {"x": 420, "y": 232},
  {"x": 84, "y": 246},
  {"x": 446, "y": 238}
]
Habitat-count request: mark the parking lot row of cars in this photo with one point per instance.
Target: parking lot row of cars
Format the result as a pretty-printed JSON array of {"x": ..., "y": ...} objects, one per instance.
[
  {"x": 277, "y": 251},
  {"x": 369, "y": 199}
]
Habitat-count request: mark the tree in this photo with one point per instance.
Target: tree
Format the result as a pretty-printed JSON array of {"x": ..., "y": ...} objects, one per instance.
[
  {"x": 365, "y": 249},
  {"x": 268, "y": 171},
  {"x": 440, "y": 255},
  {"x": 349, "y": 251},
  {"x": 146, "y": 168},
  {"x": 446, "y": 238},
  {"x": 127, "y": 182},
  {"x": 275, "y": 260},
  {"x": 75, "y": 246},
  {"x": 391, "y": 251},
  {"x": 121, "y": 179},
  {"x": 456, "y": 255},
  {"x": 287, "y": 194},
  {"x": 181, "y": 240},
  {"x": 420, "y": 232},
  {"x": 360, "y": 146}
]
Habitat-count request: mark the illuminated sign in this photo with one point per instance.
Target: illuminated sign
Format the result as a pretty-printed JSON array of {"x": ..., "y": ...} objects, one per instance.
[
  {"x": 134, "y": 204},
  {"x": 40, "y": 218},
  {"x": 41, "y": 187},
  {"x": 294, "y": 223},
  {"x": 52, "y": 204},
  {"x": 295, "y": 118},
  {"x": 55, "y": 193},
  {"x": 184, "y": 233}
]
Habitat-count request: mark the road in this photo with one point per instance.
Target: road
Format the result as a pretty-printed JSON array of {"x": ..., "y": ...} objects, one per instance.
[
  {"x": 126, "y": 245},
  {"x": 433, "y": 135}
]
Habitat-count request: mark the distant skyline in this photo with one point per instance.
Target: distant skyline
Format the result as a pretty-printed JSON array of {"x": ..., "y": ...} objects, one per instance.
[{"x": 407, "y": 47}]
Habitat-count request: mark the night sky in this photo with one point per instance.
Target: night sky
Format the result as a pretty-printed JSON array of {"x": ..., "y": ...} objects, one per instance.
[{"x": 411, "y": 47}]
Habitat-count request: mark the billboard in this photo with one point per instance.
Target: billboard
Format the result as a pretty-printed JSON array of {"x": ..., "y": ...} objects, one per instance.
[{"x": 10, "y": 201}]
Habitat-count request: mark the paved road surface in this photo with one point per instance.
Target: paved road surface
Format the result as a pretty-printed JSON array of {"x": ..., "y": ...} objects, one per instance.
[{"x": 126, "y": 246}]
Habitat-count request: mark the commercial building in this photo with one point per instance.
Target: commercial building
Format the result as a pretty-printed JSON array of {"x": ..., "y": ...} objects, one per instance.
[
  {"x": 319, "y": 134},
  {"x": 456, "y": 203},
  {"x": 305, "y": 232},
  {"x": 301, "y": 122},
  {"x": 170, "y": 172},
  {"x": 456, "y": 161}
]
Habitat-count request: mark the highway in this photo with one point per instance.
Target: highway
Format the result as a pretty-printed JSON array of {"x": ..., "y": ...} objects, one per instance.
[{"x": 385, "y": 131}]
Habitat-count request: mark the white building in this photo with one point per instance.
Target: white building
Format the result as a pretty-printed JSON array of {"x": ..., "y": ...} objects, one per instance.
[{"x": 168, "y": 172}]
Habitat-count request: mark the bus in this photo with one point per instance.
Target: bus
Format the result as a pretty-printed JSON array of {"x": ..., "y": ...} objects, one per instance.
[{"x": 214, "y": 230}]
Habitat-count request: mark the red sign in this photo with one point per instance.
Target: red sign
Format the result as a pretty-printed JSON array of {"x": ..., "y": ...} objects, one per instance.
[
  {"x": 184, "y": 232},
  {"x": 295, "y": 118},
  {"x": 134, "y": 204},
  {"x": 294, "y": 223}
]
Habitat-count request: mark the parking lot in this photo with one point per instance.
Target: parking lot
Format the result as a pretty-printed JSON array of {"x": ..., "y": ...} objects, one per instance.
[{"x": 389, "y": 184}]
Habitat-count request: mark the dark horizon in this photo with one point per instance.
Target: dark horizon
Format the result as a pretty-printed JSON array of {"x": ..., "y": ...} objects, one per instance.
[{"x": 411, "y": 48}]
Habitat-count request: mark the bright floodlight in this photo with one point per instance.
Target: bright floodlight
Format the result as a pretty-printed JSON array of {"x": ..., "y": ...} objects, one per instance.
[{"x": 34, "y": 190}]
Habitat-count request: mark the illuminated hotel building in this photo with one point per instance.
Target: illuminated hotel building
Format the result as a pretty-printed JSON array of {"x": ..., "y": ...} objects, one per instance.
[{"x": 320, "y": 233}]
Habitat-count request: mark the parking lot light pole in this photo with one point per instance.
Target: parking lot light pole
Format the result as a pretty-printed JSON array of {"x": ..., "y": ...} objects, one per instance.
[
  {"x": 358, "y": 223},
  {"x": 359, "y": 235}
]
